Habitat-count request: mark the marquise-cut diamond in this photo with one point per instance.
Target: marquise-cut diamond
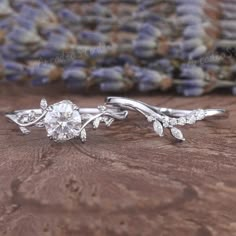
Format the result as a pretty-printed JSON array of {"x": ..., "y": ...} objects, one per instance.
[{"x": 63, "y": 121}]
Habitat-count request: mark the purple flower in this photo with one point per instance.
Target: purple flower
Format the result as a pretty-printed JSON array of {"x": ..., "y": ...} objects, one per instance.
[
  {"x": 189, "y": 9},
  {"x": 191, "y": 44},
  {"x": 44, "y": 73},
  {"x": 93, "y": 37},
  {"x": 112, "y": 74},
  {"x": 196, "y": 31},
  {"x": 234, "y": 90},
  {"x": 74, "y": 73},
  {"x": 197, "y": 52},
  {"x": 190, "y": 20},
  {"x": 69, "y": 16},
  {"x": 191, "y": 91},
  {"x": 147, "y": 79},
  {"x": 57, "y": 42},
  {"x": 5, "y": 8},
  {"x": 149, "y": 30},
  {"x": 14, "y": 71},
  {"x": 40, "y": 81},
  {"x": 144, "y": 44},
  {"x": 192, "y": 72},
  {"x": 24, "y": 36},
  {"x": 113, "y": 86},
  {"x": 144, "y": 48}
]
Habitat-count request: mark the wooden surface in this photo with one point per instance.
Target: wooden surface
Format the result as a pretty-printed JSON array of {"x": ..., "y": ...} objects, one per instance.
[{"x": 124, "y": 181}]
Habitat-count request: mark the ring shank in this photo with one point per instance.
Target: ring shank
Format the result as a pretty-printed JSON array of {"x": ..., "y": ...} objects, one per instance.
[{"x": 153, "y": 110}]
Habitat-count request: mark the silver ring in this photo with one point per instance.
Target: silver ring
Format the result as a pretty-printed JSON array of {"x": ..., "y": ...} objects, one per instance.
[
  {"x": 165, "y": 117},
  {"x": 65, "y": 120}
]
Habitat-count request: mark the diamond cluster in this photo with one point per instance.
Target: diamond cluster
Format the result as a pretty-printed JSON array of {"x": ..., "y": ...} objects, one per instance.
[
  {"x": 63, "y": 121},
  {"x": 192, "y": 118}
]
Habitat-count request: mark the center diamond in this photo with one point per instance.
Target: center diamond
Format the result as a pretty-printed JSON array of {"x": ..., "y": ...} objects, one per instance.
[{"x": 63, "y": 121}]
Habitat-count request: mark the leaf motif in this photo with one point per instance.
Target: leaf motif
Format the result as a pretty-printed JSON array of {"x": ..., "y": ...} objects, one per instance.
[
  {"x": 83, "y": 135},
  {"x": 43, "y": 104},
  {"x": 158, "y": 128},
  {"x": 150, "y": 118},
  {"x": 40, "y": 124},
  {"x": 24, "y": 130},
  {"x": 177, "y": 134},
  {"x": 108, "y": 121},
  {"x": 96, "y": 122}
]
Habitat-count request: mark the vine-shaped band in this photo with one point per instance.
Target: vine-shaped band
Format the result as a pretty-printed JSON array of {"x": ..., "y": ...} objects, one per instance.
[
  {"x": 164, "y": 117},
  {"x": 65, "y": 120}
]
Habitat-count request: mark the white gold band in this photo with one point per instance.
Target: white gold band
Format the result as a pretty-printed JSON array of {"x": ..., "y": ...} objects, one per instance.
[
  {"x": 65, "y": 120},
  {"x": 165, "y": 117}
]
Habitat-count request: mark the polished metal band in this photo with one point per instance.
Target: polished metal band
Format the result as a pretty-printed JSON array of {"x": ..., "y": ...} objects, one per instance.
[
  {"x": 65, "y": 120},
  {"x": 165, "y": 117}
]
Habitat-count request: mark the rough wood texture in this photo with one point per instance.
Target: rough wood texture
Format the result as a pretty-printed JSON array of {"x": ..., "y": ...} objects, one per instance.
[{"x": 124, "y": 181}]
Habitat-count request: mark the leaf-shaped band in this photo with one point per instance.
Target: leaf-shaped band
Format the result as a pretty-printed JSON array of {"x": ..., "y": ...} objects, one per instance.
[
  {"x": 164, "y": 118},
  {"x": 65, "y": 120}
]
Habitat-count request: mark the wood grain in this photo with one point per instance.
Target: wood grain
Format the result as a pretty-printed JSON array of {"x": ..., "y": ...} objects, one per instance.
[{"x": 124, "y": 181}]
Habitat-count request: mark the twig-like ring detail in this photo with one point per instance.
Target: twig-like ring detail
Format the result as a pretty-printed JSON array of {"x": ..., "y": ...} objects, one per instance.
[{"x": 65, "y": 120}]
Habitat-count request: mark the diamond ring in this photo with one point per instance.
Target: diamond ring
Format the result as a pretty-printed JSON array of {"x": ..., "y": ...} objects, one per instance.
[
  {"x": 162, "y": 118},
  {"x": 65, "y": 120}
]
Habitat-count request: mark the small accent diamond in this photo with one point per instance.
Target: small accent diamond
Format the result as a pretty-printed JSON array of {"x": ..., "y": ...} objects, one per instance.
[
  {"x": 173, "y": 121},
  {"x": 191, "y": 119},
  {"x": 43, "y": 104},
  {"x": 200, "y": 114},
  {"x": 165, "y": 121},
  {"x": 181, "y": 121}
]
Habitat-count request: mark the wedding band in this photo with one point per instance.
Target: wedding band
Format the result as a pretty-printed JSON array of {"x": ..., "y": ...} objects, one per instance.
[
  {"x": 165, "y": 117},
  {"x": 65, "y": 120}
]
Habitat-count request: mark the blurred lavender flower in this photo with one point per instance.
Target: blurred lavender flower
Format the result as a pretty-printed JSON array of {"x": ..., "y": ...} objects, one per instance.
[
  {"x": 192, "y": 72},
  {"x": 197, "y": 52},
  {"x": 48, "y": 31},
  {"x": 190, "y": 91},
  {"x": 234, "y": 90},
  {"x": 75, "y": 78},
  {"x": 109, "y": 74},
  {"x": 148, "y": 30},
  {"x": 193, "y": 81},
  {"x": 14, "y": 71},
  {"x": 113, "y": 86},
  {"x": 189, "y": 9},
  {"x": 44, "y": 73},
  {"x": 196, "y": 31},
  {"x": 190, "y": 20},
  {"x": 147, "y": 80},
  {"x": 57, "y": 42},
  {"x": 41, "y": 15},
  {"x": 5, "y": 8},
  {"x": 69, "y": 17},
  {"x": 74, "y": 73},
  {"x": 191, "y": 44},
  {"x": 99, "y": 9},
  {"x": 162, "y": 65},
  {"x": 144, "y": 48},
  {"x": 90, "y": 37},
  {"x": 24, "y": 36}
]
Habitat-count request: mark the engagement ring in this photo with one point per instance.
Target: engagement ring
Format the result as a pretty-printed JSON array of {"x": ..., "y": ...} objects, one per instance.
[{"x": 65, "y": 120}]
